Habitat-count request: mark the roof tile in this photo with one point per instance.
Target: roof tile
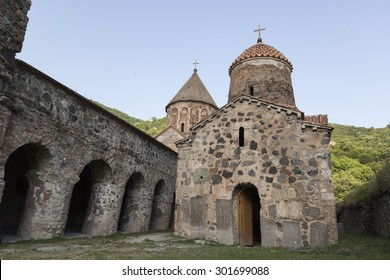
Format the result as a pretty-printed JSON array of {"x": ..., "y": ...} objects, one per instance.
[{"x": 260, "y": 50}]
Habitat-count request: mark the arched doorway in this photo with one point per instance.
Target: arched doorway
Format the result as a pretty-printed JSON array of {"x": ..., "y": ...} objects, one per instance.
[
  {"x": 79, "y": 203},
  {"x": 84, "y": 207},
  {"x": 159, "y": 218},
  {"x": 248, "y": 214},
  {"x": 131, "y": 204},
  {"x": 13, "y": 202}
]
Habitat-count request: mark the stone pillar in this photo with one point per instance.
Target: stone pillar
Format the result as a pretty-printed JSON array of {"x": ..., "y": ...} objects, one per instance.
[
  {"x": 138, "y": 213},
  {"x": 102, "y": 212},
  {"x": 45, "y": 205}
]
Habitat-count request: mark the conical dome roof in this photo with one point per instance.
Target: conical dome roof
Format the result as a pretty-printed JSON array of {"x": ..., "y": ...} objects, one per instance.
[
  {"x": 193, "y": 90},
  {"x": 260, "y": 50}
]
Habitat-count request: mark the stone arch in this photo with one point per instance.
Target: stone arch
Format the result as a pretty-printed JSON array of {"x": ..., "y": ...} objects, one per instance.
[
  {"x": 194, "y": 119},
  {"x": 184, "y": 119},
  {"x": 131, "y": 218},
  {"x": 16, "y": 193},
  {"x": 87, "y": 196},
  {"x": 204, "y": 114},
  {"x": 174, "y": 116},
  {"x": 161, "y": 208},
  {"x": 246, "y": 208}
]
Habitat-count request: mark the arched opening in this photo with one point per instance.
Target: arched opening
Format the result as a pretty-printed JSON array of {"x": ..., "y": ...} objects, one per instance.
[
  {"x": 93, "y": 178},
  {"x": 160, "y": 217},
  {"x": 80, "y": 199},
  {"x": 248, "y": 215},
  {"x": 131, "y": 203},
  {"x": 241, "y": 137},
  {"x": 13, "y": 202}
]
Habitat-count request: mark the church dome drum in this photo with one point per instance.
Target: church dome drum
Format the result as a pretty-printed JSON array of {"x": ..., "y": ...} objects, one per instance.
[{"x": 264, "y": 72}]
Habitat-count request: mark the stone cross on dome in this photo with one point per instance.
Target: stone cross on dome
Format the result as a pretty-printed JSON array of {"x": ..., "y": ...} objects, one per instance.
[
  {"x": 195, "y": 64},
  {"x": 259, "y": 40}
]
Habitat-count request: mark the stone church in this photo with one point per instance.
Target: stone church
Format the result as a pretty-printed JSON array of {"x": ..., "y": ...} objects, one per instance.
[{"x": 256, "y": 170}]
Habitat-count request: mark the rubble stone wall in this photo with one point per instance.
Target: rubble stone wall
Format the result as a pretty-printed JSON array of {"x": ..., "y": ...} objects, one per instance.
[
  {"x": 73, "y": 133},
  {"x": 185, "y": 114},
  {"x": 13, "y": 23},
  {"x": 264, "y": 78},
  {"x": 288, "y": 163},
  {"x": 373, "y": 217}
]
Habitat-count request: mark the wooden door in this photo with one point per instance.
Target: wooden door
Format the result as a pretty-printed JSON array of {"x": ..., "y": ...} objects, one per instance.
[{"x": 245, "y": 218}]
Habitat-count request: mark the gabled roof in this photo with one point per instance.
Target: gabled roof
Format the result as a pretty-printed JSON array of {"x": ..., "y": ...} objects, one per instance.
[
  {"x": 251, "y": 99},
  {"x": 287, "y": 109},
  {"x": 169, "y": 128},
  {"x": 193, "y": 90}
]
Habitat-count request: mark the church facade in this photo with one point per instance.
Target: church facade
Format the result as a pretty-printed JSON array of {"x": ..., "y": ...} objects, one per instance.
[{"x": 257, "y": 171}]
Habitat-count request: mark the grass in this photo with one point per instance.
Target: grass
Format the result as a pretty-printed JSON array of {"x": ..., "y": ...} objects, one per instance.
[{"x": 124, "y": 247}]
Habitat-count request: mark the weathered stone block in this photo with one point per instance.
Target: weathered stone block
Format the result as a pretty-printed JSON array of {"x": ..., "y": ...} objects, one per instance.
[
  {"x": 318, "y": 234},
  {"x": 216, "y": 179},
  {"x": 227, "y": 174},
  {"x": 201, "y": 175},
  {"x": 253, "y": 145},
  {"x": 291, "y": 234},
  {"x": 268, "y": 229},
  {"x": 311, "y": 211},
  {"x": 272, "y": 210},
  {"x": 198, "y": 211},
  {"x": 224, "y": 214}
]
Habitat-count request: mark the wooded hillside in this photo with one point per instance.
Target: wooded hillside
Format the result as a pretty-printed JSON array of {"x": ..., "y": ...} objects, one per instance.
[{"x": 357, "y": 153}]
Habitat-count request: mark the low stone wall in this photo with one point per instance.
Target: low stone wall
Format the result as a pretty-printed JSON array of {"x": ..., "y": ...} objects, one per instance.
[
  {"x": 382, "y": 215},
  {"x": 357, "y": 220},
  {"x": 368, "y": 218}
]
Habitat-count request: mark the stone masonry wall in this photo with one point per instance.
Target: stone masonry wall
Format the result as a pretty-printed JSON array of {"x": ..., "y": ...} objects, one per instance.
[
  {"x": 71, "y": 133},
  {"x": 187, "y": 114},
  {"x": 357, "y": 220},
  {"x": 13, "y": 23},
  {"x": 382, "y": 215},
  {"x": 287, "y": 160},
  {"x": 169, "y": 137},
  {"x": 268, "y": 79},
  {"x": 369, "y": 218}
]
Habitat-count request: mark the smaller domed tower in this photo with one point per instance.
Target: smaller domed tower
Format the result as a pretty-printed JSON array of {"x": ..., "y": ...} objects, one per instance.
[
  {"x": 264, "y": 72},
  {"x": 192, "y": 104}
]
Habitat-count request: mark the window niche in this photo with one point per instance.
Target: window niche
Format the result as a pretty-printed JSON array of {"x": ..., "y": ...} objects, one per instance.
[{"x": 241, "y": 137}]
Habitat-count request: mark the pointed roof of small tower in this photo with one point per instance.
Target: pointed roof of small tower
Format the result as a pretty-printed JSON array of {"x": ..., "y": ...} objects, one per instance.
[{"x": 193, "y": 90}]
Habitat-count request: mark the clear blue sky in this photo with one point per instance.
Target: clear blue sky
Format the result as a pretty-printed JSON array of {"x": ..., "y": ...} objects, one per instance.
[{"x": 134, "y": 55}]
